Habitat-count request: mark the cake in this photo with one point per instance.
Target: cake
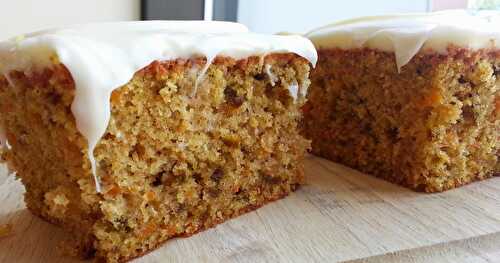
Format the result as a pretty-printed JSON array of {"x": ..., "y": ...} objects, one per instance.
[
  {"x": 413, "y": 98},
  {"x": 5, "y": 230},
  {"x": 129, "y": 134}
]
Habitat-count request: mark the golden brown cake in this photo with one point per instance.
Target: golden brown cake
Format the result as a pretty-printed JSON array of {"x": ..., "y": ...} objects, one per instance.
[
  {"x": 189, "y": 143},
  {"x": 413, "y": 99},
  {"x": 5, "y": 230}
]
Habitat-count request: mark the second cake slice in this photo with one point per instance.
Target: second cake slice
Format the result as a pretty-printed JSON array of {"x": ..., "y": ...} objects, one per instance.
[{"x": 414, "y": 98}]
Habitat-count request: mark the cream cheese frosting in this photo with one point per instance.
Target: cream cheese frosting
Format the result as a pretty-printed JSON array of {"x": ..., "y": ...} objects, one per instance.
[
  {"x": 103, "y": 57},
  {"x": 407, "y": 34}
]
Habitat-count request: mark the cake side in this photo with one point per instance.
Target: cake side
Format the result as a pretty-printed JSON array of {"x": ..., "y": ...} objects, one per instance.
[
  {"x": 170, "y": 164},
  {"x": 46, "y": 151},
  {"x": 432, "y": 126}
]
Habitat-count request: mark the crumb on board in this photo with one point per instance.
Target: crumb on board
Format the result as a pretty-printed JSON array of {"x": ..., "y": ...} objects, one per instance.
[{"x": 5, "y": 230}]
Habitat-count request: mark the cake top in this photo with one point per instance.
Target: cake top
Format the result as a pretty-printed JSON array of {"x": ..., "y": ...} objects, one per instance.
[
  {"x": 407, "y": 34},
  {"x": 104, "y": 56}
]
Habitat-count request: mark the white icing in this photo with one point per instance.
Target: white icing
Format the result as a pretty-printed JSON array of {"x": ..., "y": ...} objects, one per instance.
[
  {"x": 407, "y": 34},
  {"x": 294, "y": 90},
  {"x": 272, "y": 78},
  {"x": 4, "y": 144},
  {"x": 302, "y": 90},
  {"x": 3, "y": 135},
  {"x": 103, "y": 57},
  {"x": 210, "y": 58},
  {"x": 297, "y": 91}
]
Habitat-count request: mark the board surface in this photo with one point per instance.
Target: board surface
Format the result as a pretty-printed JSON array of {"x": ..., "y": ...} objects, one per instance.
[{"x": 340, "y": 215}]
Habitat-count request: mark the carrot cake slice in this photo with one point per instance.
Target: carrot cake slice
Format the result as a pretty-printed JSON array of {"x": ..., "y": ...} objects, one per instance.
[
  {"x": 411, "y": 98},
  {"x": 128, "y": 134}
]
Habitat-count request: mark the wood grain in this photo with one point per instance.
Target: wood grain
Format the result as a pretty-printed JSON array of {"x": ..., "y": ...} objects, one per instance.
[{"x": 340, "y": 215}]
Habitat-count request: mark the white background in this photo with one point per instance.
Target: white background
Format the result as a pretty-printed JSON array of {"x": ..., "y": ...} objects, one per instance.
[
  {"x": 264, "y": 16},
  {"x": 299, "y": 16},
  {"x": 23, "y": 16}
]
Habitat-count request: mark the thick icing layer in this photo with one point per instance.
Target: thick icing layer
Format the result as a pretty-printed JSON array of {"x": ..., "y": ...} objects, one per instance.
[
  {"x": 103, "y": 57},
  {"x": 407, "y": 34}
]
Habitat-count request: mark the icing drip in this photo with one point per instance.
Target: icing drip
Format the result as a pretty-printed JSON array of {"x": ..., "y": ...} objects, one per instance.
[
  {"x": 407, "y": 34},
  {"x": 3, "y": 135},
  {"x": 294, "y": 90},
  {"x": 272, "y": 78},
  {"x": 302, "y": 90},
  {"x": 201, "y": 75},
  {"x": 297, "y": 91},
  {"x": 103, "y": 57},
  {"x": 4, "y": 143}
]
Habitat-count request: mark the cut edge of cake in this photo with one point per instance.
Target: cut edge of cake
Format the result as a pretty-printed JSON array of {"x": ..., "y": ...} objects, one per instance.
[
  {"x": 128, "y": 142},
  {"x": 253, "y": 152},
  {"x": 411, "y": 98}
]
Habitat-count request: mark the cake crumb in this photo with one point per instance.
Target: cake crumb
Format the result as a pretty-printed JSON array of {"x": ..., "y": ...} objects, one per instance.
[
  {"x": 163, "y": 176},
  {"x": 431, "y": 127},
  {"x": 5, "y": 230}
]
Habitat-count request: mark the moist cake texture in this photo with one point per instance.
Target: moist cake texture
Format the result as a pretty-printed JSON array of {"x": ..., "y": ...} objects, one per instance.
[
  {"x": 419, "y": 109},
  {"x": 190, "y": 143}
]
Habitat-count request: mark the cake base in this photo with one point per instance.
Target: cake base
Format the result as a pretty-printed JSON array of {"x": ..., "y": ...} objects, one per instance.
[{"x": 85, "y": 250}]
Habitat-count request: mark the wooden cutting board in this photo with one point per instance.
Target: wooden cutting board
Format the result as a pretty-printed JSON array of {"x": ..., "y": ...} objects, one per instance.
[{"x": 340, "y": 215}]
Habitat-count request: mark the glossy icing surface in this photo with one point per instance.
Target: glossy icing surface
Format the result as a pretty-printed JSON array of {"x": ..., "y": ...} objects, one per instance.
[{"x": 407, "y": 34}]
